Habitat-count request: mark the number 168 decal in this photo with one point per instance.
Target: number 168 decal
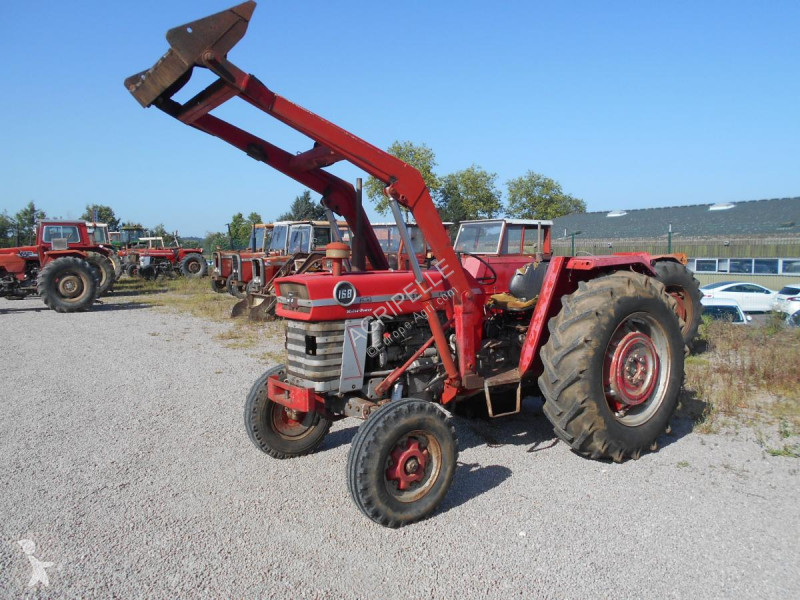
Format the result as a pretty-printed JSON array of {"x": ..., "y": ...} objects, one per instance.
[{"x": 344, "y": 293}]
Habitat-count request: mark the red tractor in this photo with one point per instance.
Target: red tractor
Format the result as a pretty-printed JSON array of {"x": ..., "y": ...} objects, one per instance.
[
  {"x": 597, "y": 336},
  {"x": 58, "y": 267},
  {"x": 152, "y": 258}
]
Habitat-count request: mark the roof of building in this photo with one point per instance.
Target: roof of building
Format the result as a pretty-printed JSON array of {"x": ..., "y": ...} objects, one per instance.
[{"x": 754, "y": 217}]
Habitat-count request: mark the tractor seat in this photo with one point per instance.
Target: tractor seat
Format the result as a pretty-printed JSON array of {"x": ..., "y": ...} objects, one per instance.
[
  {"x": 524, "y": 288},
  {"x": 506, "y": 301}
]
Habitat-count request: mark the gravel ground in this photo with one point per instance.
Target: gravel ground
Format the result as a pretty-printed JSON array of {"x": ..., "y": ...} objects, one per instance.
[{"x": 124, "y": 458}]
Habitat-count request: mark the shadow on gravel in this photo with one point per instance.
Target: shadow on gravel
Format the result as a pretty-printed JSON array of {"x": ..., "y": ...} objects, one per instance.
[
  {"x": 690, "y": 412},
  {"x": 527, "y": 428},
  {"x": 118, "y": 306},
  {"x": 118, "y": 294},
  {"x": 338, "y": 438},
  {"x": 472, "y": 480}
]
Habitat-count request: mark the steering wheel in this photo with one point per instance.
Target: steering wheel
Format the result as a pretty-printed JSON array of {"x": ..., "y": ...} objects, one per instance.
[{"x": 485, "y": 280}]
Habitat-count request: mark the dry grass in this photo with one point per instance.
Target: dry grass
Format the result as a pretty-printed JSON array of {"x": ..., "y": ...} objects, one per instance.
[
  {"x": 745, "y": 375},
  {"x": 195, "y": 297}
]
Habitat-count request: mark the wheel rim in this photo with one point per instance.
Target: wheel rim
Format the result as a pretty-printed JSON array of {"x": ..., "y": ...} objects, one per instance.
[
  {"x": 685, "y": 308},
  {"x": 70, "y": 286},
  {"x": 290, "y": 424},
  {"x": 635, "y": 376},
  {"x": 193, "y": 266},
  {"x": 413, "y": 466}
]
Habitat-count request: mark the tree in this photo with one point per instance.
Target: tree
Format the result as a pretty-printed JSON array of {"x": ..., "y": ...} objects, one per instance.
[
  {"x": 469, "y": 194},
  {"x": 160, "y": 231},
  {"x": 105, "y": 214},
  {"x": 26, "y": 220},
  {"x": 304, "y": 209},
  {"x": 8, "y": 231},
  {"x": 214, "y": 241},
  {"x": 420, "y": 157},
  {"x": 534, "y": 196}
]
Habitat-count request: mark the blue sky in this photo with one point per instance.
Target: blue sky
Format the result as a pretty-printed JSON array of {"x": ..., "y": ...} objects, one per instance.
[{"x": 626, "y": 104}]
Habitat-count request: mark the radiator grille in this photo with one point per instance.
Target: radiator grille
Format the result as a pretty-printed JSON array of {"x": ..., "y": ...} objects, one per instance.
[{"x": 315, "y": 354}]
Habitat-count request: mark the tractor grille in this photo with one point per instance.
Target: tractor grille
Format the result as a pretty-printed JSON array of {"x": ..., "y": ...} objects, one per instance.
[{"x": 315, "y": 354}]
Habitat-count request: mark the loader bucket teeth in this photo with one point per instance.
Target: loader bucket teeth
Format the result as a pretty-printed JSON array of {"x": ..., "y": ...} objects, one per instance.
[{"x": 190, "y": 44}]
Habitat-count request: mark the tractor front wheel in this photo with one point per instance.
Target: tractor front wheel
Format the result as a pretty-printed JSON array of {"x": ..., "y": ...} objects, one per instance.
[
  {"x": 194, "y": 265},
  {"x": 132, "y": 270},
  {"x": 613, "y": 366},
  {"x": 401, "y": 462},
  {"x": 67, "y": 284},
  {"x": 234, "y": 289},
  {"x": 276, "y": 430}
]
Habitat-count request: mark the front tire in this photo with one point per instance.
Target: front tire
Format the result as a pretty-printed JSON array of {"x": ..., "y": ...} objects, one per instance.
[
  {"x": 613, "y": 366},
  {"x": 234, "y": 290},
  {"x": 402, "y": 461},
  {"x": 685, "y": 289},
  {"x": 194, "y": 265},
  {"x": 67, "y": 284},
  {"x": 276, "y": 430}
]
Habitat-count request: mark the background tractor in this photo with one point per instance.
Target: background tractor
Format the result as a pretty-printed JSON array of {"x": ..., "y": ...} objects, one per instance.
[
  {"x": 597, "y": 336},
  {"x": 60, "y": 273}
]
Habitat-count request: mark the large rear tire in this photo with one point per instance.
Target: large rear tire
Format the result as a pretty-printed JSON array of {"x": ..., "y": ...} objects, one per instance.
[
  {"x": 67, "y": 284},
  {"x": 613, "y": 366},
  {"x": 194, "y": 265},
  {"x": 104, "y": 269},
  {"x": 685, "y": 289},
  {"x": 276, "y": 430},
  {"x": 402, "y": 461}
]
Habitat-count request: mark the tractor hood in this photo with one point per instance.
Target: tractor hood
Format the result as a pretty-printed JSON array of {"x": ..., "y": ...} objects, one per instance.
[{"x": 325, "y": 297}]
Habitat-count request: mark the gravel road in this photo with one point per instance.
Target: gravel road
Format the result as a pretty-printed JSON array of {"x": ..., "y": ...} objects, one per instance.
[{"x": 124, "y": 459}]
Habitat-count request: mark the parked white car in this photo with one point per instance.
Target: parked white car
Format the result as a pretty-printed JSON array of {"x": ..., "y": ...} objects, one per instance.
[
  {"x": 722, "y": 309},
  {"x": 788, "y": 299},
  {"x": 750, "y": 296}
]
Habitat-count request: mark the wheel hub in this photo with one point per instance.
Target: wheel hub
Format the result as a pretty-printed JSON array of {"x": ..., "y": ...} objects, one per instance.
[
  {"x": 409, "y": 460},
  {"x": 634, "y": 369},
  {"x": 69, "y": 286}
]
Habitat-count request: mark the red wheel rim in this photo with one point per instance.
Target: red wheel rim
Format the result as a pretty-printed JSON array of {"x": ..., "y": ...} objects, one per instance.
[
  {"x": 634, "y": 369},
  {"x": 290, "y": 424},
  {"x": 413, "y": 466}
]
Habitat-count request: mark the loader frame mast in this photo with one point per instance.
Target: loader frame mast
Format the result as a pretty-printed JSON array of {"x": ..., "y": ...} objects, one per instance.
[{"x": 205, "y": 43}]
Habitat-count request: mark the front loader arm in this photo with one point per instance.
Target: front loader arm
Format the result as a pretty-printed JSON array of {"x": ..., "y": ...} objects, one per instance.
[{"x": 205, "y": 43}]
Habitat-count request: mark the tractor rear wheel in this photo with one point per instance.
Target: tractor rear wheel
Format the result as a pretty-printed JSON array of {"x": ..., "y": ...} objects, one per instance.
[
  {"x": 685, "y": 289},
  {"x": 67, "y": 284},
  {"x": 234, "y": 289},
  {"x": 104, "y": 269},
  {"x": 194, "y": 265},
  {"x": 402, "y": 461},
  {"x": 276, "y": 430},
  {"x": 613, "y": 366}
]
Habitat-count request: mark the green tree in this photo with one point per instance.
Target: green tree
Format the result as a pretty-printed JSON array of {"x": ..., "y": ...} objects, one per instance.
[
  {"x": 469, "y": 194},
  {"x": 254, "y": 218},
  {"x": 304, "y": 209},
  {"x": 214, "y": 241},
  {"x": 421, "y": 157},
  {"x": 105, "y": 214},
  {"x": 26, "y": 219},
  {"x": 160, "y": 231},
  {"x": 534, "y": 196},
  {"x": 8, "y": 231}
]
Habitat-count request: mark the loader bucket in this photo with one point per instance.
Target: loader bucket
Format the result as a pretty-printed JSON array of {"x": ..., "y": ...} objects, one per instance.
[
  {"x": 258, "y": 306},
  {"x": 189, "y": 44}
]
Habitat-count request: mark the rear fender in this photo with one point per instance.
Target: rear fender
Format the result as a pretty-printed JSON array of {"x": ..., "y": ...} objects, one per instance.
[{"x": 561, "y": 279}]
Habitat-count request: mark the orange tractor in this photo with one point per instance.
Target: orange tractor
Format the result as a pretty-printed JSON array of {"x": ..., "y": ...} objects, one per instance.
[{"x": 597, "y": 336}]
